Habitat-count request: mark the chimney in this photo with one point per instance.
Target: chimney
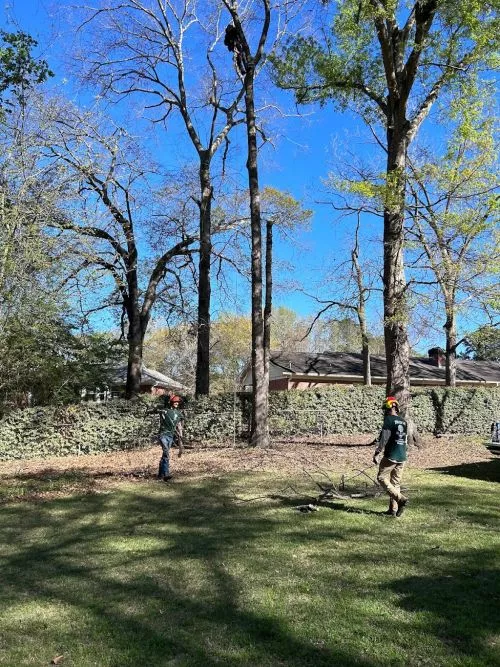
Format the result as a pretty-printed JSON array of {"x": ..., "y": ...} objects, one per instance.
[{"x": 437, "y": 356}]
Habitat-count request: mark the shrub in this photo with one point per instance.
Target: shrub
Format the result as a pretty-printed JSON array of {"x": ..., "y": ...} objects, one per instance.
[{"x": 88, "y": 428}]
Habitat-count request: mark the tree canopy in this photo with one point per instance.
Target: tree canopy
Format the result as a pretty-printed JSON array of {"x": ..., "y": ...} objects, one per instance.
[
  {"x": 19, "y": 69},
  {"x": 483, "y": 344}
]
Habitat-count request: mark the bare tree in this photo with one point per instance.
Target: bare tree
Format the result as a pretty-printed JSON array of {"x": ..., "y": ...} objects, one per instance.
[
  {"x": 357, "y": 291},
  {"x": 156, "y": 50},
  {"x": 107, "y": 203}
]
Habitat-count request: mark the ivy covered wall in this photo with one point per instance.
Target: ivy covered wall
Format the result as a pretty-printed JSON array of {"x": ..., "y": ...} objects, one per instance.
[
  {"x": 84, "y": 428},
  {"x": 88, "y": 428},
  {"x": 347, "y": 409}
]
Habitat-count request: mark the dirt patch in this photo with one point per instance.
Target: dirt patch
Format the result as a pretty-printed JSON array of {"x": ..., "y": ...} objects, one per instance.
[{"x": 339, "y": 455}]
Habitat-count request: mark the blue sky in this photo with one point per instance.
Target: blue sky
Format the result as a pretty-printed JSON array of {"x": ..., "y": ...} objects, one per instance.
[{"x": 300, "y": 158}]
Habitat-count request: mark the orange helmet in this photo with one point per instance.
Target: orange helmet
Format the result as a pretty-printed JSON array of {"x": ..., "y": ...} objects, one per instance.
[{"x": 391, "y": 402}]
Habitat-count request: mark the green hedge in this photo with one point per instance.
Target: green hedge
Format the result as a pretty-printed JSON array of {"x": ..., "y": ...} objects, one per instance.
[
  {"x": 88, "y": 428},
  {"x": 85, "y": 428},
  {"x": 218, "y": 417},
  {"x": 356, "y": 409}
]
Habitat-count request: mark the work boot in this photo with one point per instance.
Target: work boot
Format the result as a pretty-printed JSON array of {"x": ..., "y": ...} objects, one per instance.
[
  {"x": 401, "y": 506},
  {"x": 390, "y": 512},
  {"x": 165, "y": 478}
]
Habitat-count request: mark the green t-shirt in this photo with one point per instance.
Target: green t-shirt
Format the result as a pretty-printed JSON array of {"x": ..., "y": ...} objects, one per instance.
[
  {"x": 168, "y": 420},
  {"x": 394, "y": 437}
]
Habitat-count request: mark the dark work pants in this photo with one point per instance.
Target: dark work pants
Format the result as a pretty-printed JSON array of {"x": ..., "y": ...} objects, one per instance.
[{"x": 166, "y": 440}]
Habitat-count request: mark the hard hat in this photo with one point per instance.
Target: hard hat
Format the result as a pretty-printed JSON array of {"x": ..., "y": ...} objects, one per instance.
[
  {"x": 175, "y": 399},
  {"x": 391, "y": 402}
]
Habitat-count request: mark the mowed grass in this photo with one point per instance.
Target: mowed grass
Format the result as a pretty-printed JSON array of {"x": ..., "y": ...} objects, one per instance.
[{"x": 200, "y": 572}]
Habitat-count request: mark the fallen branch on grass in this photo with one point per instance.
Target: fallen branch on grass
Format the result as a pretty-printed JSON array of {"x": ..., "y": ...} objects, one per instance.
[
  {"x": 358, "y": 474},
  {"x": 307, "y": 508}
]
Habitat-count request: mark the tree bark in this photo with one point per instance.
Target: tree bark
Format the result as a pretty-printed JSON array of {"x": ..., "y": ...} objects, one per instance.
[
  {"x": 135, "y": 337},
  {"x": 451, "y": 344},
  {"x": 204, "y": 287},
  {"x": 361, "y": 311},
  {"x": 367, "y": 371},
  {"x": 135, "y": 333},
  {"x": 397, "y": 346},
  {"x": 260, "y": 426},
  {"x": 268, "y": 303}
]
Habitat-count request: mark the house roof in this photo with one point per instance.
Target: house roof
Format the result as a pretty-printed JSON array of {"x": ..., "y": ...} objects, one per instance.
[
  {"x": 149, "y": 378},
  {"x": 351, "y": 364}
]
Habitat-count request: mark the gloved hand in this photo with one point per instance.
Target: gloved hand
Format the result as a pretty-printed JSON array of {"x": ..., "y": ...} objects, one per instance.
[{"x": 375, "y": 458}]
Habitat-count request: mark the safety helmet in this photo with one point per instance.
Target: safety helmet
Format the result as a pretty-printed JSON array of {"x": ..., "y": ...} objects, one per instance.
[
  {"x": 175, "y": 399},
  {"x": 391, "y": 402}
]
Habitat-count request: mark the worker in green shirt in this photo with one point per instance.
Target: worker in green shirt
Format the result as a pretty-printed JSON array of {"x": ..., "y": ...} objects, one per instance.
[
  {"x": 393, "y": 442},
  {"x": 170, "y": 429}
]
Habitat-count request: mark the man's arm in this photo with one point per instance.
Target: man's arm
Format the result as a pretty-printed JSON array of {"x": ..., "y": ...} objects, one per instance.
[
  {"x": 153, "y": 410},
  {"x": 385, "y": 434},
  {"x": 179, "y": 437}
]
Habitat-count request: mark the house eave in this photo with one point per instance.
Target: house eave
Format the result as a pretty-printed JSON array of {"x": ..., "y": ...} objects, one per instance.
[{"x": 380, "y": 379}]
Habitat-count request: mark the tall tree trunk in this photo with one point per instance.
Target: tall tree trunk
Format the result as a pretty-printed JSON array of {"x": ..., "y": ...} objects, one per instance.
[
  {"x": 135, "y": 337},
  {"x": 361, "y": 312},
  {"x": 365, "y": 341},
  {"x": 400, "y": 76},
  {"x": 397, "y": 346},
  {"x": 365, "y": 352},
  {"x": 268, "y": 303},
  {"x": 260, "y": 390},
  {"x": 451, "y": 344},
  {"x": 204, "y": 288}
]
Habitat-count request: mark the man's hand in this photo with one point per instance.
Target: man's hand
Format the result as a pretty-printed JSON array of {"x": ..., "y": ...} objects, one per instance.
[{"x": 375, "y": 458}]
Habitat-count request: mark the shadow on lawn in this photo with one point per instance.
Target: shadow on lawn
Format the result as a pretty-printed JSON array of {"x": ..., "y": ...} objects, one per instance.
[
  {"x": 489, "y": 471},
  {"x": 445, "y": 595},
  {"x": 337, "y": 505},
  {"x": 46, "y": 482},
  {"x": 115, "y": 564},
  {"x": 141, "y": 577}
]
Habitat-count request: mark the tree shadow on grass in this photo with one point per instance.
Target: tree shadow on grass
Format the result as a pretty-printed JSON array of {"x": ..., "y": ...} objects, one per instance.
[
  {"x": 157, "y": 575},
  {"x": 488, "y": 471},
  {"x": 337, "y": 505},
  {"x": 454, "y": 602},
  {"x": 114, "y": 566},
  {"x": 45, "y": 483}
]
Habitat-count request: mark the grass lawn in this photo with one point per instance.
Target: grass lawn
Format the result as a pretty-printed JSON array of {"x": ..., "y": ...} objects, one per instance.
[{"x": 199, "y": 572}]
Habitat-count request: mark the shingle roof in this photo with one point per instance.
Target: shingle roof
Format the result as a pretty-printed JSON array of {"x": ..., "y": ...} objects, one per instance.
[{"x": 351, "y": 363}]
